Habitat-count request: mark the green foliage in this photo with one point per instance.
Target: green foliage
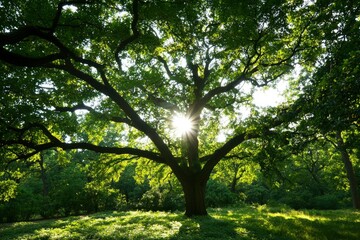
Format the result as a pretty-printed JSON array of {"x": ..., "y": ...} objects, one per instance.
[
  {"x": 68, "y": 189},
  {"x": 153, "y": 192},
  {"x": 7, "y": 190},
  {"x": 129, "y": 187},
  {"x": 330, "y": 101},
  {"x": 218, "y": 195},
  {"x": 256, "y": 193},
  {"x": 28, "y": 202},
  {"x": 328, "y": 201},
  {"x": 162, "y": 198}
]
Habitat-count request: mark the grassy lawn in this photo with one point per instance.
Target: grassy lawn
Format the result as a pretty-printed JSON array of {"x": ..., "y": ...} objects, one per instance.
[{"x": 227, "y": 223}]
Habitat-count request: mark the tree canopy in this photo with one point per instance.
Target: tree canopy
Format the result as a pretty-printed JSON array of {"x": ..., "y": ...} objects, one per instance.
[{"x": 109, "y": 77}]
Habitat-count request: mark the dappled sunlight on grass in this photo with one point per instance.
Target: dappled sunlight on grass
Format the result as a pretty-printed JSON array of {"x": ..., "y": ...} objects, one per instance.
[
  {"x": 298, "y": 215},
  {"x": 259, "y": 222},
  {"x": 129, "y": 225},
  {"x": 275, "y": 223}
]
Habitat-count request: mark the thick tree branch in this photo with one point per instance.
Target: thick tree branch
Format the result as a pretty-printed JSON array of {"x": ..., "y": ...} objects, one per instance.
[
  {"x": 114, "y": 150},
  {"x": 82, "y": 106},
  {"x": 207, "y": 69},
  {"x": 136, "y": 120},
  {"x": 88, "y": 146},
  {"x": 59, "y": 9},
  {"x": 221, "y": 152},
  {"x": 21, "y": 34},
  {"x": 56, "y": 143},
  {"x": 66, "y": 55},
  {"x": 286, "y": 115},
  {"x": 19, "y": 60},
  {"x": 199, "y": 82},
  {"x": 135, "y": 33},
  {"x": 166, "y": 66},
  {"x": 201, "y": 103},
  {"x": 163, "y": 103},
  {"x": 295, "y": 49}
]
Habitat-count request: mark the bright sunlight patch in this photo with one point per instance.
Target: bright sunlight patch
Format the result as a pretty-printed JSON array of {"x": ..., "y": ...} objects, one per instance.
[{"x": 182, "y": 125}]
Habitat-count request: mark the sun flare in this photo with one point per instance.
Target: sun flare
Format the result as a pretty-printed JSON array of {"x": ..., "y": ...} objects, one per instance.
[{"x": 182, "y": 125}]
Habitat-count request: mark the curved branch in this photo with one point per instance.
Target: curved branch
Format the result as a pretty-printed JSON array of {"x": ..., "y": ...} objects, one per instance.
[
  {"x": 82, "y": 106},
  {"x": 114, "y": 150},
  {"x": 88, "y": 146},
  {"x": 67, "y": 59},
  {"x": 19, "y": 60},
  {"x": 20, "y": 35},
  {"x": 136, "y": 120},
  {"x": 201, "y": 103},
  {"x": 166, "y": 66},
  {"x": 56, "y": 143},
  {"x": 221, "y": 152},
  {"x": 22, "y": 61},
  {"x": 295, "y": 49},
  {"x": 163, "y": 103},
  {"x": 59, "y": 12},
  {"x": 287, "y": 115},
  {"x": 135, "y": 33}
]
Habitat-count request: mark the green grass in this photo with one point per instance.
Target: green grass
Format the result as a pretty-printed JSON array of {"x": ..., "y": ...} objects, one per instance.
[{"x": 227, "y": 223}]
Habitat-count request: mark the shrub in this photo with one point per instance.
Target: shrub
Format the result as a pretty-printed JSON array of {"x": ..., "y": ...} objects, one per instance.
[
  {"x": 162, "y": 198},
  {"x": 256, "y": 193},
  {"x": 218, "y": 194},
  {"x": 325, "y": 202},
  {"x": 297, "y": 200}
]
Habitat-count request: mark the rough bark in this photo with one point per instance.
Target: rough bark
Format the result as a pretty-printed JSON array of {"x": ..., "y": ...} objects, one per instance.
[{"x": 194, "y": 191}]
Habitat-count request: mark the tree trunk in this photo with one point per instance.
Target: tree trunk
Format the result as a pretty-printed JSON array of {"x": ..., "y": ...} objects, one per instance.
[
  {"x": 194, "y": 191},
  {"x": 352, "y": 179},
  {"x": 355, "y": 196},
  {"x": 44, "y": 178},
  {"x": 233, "y": 184}
]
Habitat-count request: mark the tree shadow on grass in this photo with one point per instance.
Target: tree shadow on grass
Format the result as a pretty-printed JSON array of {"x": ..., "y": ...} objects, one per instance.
[
  {"x": 246, "y": 223},
  {"x": 74, "y": 227},
  {"x": 206, "y": 227},
  {"x": 26, "y": 229}
]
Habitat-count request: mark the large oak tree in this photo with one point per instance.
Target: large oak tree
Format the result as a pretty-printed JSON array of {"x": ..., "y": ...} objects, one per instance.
[{"x": 70, "y": 70}]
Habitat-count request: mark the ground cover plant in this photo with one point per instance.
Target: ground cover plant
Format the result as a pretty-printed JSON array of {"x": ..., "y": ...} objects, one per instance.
[{"x": 250, "y": 222}]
